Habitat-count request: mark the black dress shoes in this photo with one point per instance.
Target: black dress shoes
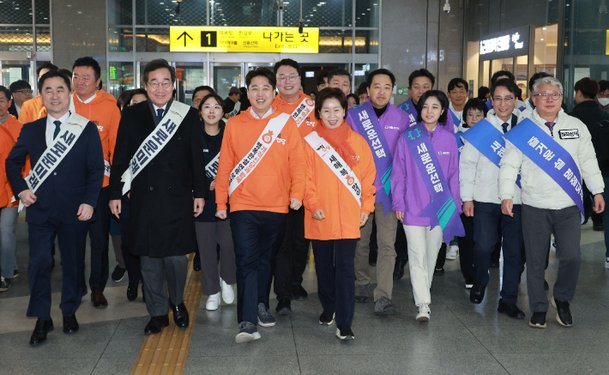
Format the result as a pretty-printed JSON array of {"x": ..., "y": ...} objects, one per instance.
[
  {"x": 132, "y": 292},
  {"x": 476, "y": 294},
  {"x": 40, "y": 331},
  {"x": 98, "y": 299},
  {"x": 180, "y": 315},
  {"x": 70, "y": 324},
  {"x": 156, "y": 324},
  {"x": 510, "y": 309}
]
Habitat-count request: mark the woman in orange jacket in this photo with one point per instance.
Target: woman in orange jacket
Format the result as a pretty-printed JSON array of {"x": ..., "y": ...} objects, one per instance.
[{"x": 339, "y": 197}]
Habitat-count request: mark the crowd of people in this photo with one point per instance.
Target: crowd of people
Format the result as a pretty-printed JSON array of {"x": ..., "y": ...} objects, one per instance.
[{"x": 250, "y": 183}]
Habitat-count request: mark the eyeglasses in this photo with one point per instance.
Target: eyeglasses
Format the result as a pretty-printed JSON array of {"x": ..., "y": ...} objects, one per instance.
[
  {"x": 548, "y": 95},
  {"x": 290, "y": 78},
  {"x": 503, "y": 99},
  {"x": 24, "y": 91},
  {"x": 164, "y": 85}
]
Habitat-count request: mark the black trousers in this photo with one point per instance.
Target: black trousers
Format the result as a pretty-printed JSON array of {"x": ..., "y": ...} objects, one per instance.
[
  {"x": 132, "y": 262},
  {"x": 99, "y": 232},
  {"x": 466, "y": 249}
]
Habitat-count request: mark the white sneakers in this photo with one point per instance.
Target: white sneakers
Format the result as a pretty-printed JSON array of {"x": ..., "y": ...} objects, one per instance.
[
  {"x": 452, "y": 252},
  {"x": 607, "y": 263},
  {"x": 228, "y": 295},
  {"x": 424, "y": 313},
  {"x": 213, "y": 302}
]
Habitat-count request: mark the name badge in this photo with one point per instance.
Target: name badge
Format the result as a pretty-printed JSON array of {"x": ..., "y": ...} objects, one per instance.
[{"x": 568, "y": 134}]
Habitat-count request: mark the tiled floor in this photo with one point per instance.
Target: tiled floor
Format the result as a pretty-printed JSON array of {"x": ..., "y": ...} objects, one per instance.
[{"x": 460, "y": 338}]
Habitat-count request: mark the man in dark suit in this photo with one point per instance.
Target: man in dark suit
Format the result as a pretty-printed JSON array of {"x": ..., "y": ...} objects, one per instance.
[
  {"x": 21, "y": 91},
  {"x": 159, "y": 158},
  {"x": 59, "y": 194}
]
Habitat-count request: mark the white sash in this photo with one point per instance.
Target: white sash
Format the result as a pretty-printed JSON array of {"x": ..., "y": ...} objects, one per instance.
[
  {"x": 337, "y": 165},
  {"x": 254, "y": 156},
  {"x": 155, "y": 142},
  {"x": 235, "y": 110},
  {"x": 71, "y": 129},
  {"x": 303, "y": 110},
  {"x": 211, "y": 169}
]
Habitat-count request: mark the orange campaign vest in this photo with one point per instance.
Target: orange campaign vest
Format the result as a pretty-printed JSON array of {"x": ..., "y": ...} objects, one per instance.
[
  {"x": 9, "y": 132},
  {"x": 302, "y": 112}
]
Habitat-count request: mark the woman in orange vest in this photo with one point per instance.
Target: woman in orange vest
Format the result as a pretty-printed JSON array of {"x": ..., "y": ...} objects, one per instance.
[{"x": 339, "y": 197}]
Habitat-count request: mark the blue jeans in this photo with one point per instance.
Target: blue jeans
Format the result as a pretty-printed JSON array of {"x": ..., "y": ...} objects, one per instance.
[
  {"x": 487, "y": 217},
  {"x": 8, "y": 241},
  {"x": 255, "y": 235},
  {"x": 606, "y": 215}
]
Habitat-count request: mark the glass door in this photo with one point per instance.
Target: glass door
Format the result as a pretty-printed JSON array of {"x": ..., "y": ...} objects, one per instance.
[
  {"x": 225, "y": 77},
  {"x": 188, "y": 77}
]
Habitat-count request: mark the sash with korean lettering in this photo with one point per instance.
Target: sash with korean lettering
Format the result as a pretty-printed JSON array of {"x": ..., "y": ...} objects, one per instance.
[
  {"x": 367, "y": 125},
  {"x": 442, "y": 210},
  {"x": 235, "y": 110},
  {"x": 409, "y": 107},
  {"x": 71, "y": 129},
  {"x": 258, "y": 151},
  {"x": 155, "y": 142},
  {"x": 211, "y": 169},
  {"x": 550, "y": 157},
  {"x": 303, "y": 110},
  {"x": 488, "y": 140},
  {"x": 337, "y": 165},
  {"x": 453, "y": 120}
]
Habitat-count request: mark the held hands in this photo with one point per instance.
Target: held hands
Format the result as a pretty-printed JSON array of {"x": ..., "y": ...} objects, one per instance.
[
  {"x": 363, "y": 218},
  {"x": 295, "y": 204},
  {"x": 27, "y": 197},
  {"x": 85, "y": 212},
  {"x": 599, "y": 203},
  {"x": 399, "y": 215},
  {"x": 221, "y": 214},
  {"x": 198, "y": 205},
  {"x": 468, "y": 208},
  {"x": 319, "y": 214},
  {"x": 506, "y": 207}
]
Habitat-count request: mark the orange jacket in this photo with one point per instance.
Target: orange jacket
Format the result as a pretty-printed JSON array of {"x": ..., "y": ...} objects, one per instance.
[
  {"x": 103, "y": 112},
  {"x": 325, "y": 191},
  {"x": 279, "y": 176},
  {"x": 308, "y": 124},
  {"x": 9, "y": 132},
  {"x": 32, "y": 110}
]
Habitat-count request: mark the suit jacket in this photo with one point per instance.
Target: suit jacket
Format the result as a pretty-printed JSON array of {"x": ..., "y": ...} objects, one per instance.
[
  {"x": 76, "y": 180},
  {"x": 13, "y": 109},
  {"x": 161, "y": 219}
]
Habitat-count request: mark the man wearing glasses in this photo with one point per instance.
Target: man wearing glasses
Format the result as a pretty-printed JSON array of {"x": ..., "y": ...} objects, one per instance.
[
  {"x": 158, "y": 163},
  {"x": 552, "y": 151},
  {"x": 21, "y": 91}
]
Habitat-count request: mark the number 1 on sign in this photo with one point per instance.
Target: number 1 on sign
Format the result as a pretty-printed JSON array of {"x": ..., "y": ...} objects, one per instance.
[{"x": 209, "y": 39}]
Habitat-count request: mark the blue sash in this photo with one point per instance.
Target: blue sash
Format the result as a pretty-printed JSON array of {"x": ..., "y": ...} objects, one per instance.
[
  {"x": 453, "y": 116},
  {"x": 409, "y": 107},
  {"x": 453, "y": 121},
  {"x": 367, "y": 125},
  {"x": 442, "y": 210},
  {"x": 489, "y": 141},
  {"x": 550, "y": 156}
]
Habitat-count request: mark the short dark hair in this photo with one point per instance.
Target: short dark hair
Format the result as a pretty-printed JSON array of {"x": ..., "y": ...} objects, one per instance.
[
  {"x": 158, "y": 64},
  {"x": 261, "y": 72},
  {"x": 202, "y": 88},
  {"x": 20, "y": 85},
  {"x": 507, "y": 83},
  {"x": 330, "y": 93},
  {"x": 125, "y": 98},
  {"x": 339, "y": 72},
  {"x": 535, "y": 77},
  {"x": 355, "y": 97},
  {"x": 286, "y": 62},
  {"x": 421, "y": 73},
  {"x": 442, "y": 98},
  {"x": 458, "y": 82},
  {"x": 588, "y": 87},
  {"x": 500, "y": 73},
  {"x": 384, "y": 71},
  {"x": 603, "y": 85},
  {"x": 362, "y": 88},
  {"x": 215, "y": 96},
  {"x": 319, "y": 78},
  {"x": 6, "y": 92},
  {"x": 475, "y": 103},
  {"x": 46, "y": 65},
  {"x": 90, "y": 62},
  {"x": 53, "y": 74},
  {"x": 482, "y": 92},
  {"x": 66, "y": 72}
]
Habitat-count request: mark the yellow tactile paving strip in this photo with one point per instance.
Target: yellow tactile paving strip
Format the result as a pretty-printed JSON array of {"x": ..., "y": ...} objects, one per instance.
[{"x": 167, "y": 352}]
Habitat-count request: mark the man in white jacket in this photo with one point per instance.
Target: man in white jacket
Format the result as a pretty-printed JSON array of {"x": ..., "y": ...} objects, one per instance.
[{"x": 547, "y": 207}]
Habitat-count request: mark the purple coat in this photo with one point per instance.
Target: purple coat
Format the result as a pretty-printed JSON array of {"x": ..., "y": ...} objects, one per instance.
[
  {"x": 392, "y": 122},
  {"x": 408, "y": 188}
]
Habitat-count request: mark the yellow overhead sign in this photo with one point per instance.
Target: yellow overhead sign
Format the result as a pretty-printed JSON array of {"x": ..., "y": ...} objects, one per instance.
[{"x": 243, "y": 39}]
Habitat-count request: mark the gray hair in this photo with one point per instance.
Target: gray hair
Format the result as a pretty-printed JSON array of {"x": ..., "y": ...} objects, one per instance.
[{"x": 547, "y": 81}]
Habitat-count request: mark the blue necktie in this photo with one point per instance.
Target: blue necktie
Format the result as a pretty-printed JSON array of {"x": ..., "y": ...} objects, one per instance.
[
  {"x": 57, "y": 124},
  {"x": 505, "y": 126},
  {"x": 159, "y": 114},
  {"x": 550, "y": 126}
]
